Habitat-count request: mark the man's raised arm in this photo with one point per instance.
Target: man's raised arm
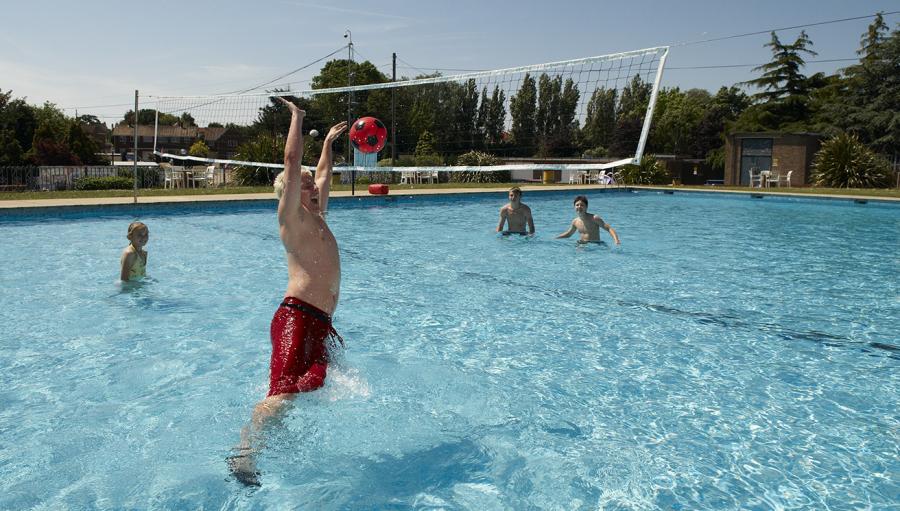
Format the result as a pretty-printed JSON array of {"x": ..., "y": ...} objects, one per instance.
[
  {"x": 293, "y": 155},
  {"x": 326, "y": 161}
]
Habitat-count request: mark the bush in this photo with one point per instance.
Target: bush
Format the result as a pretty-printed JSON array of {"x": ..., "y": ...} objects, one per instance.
[
  {"x": 104, "y": 183},
  {"x": 245, "y": 175},
  {"x": 148, "y": 177},
  {"x": 479, "y": 159},
  {"x": 845, "y": 162},
  {"x": 649, "y": 172}
]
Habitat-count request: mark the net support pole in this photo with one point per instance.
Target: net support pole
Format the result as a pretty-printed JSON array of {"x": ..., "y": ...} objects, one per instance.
[
  {"x": 350, "y": 106},
  {"x": 136, "y": 117},
  {"x": 393, "y": 113},
  {"x": 648, "y": 117}
]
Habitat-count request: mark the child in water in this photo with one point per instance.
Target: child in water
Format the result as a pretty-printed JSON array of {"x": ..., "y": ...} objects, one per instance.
[{"x": 134, "y": 257}]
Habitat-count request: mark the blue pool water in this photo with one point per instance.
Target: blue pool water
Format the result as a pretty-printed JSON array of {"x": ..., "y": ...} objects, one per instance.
[{"x": 733, "y": 353}]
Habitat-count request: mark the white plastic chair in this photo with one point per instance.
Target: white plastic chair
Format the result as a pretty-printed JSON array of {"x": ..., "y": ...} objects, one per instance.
[
  {"x": 786, "y": 179},
  {"x": 408, "y": 177},
  {"x": 168, "y": 178},
  {"x": 755, "y": 177},
  {"x": 203, "y": 178}
]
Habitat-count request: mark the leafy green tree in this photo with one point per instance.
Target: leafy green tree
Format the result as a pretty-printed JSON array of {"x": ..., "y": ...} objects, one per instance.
[
  {"x": 17, "y": 117},
  {"x": 496, "y": 118},
  {"x": 426, "y": 153},
  {"x": 866, "y": 99},
  {"x": 187, "y": 120},
  {"x": 781, "y": 78},
  {"x": 147, "y": 117},
  {"x": 523, "y": 109},
  {"x": 333, "y": 107},
  {"x": 600, "y": 121},
  {"x": 47, "y": 149},
  {"x": 83, "y": 146},
  {"x": 845, "y": 162},
  {"x": 10, "y": 151},
  {"x": 782, "y": 102},
  {"x": 199, "y": 149}
]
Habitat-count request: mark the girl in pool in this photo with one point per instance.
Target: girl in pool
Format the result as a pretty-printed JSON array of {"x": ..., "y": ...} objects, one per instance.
[{"x": 134, "y": 257}]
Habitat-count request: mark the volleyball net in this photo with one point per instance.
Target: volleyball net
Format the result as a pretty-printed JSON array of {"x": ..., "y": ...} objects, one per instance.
[{"x": 583, "y": 114}]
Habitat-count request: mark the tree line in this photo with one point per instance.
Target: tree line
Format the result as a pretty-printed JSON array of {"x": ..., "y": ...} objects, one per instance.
[{"x": 862, "y": 100}]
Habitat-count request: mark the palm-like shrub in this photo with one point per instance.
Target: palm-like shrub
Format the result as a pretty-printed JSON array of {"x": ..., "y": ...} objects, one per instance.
[
  {"x": 845, "y": 162},
  {"x": 479, "y": 159},
  {"x": 649, "y": 172},
  {"x": 263, "y": 148}
]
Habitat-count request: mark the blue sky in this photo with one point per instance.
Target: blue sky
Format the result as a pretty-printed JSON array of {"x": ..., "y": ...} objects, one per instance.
[{"x": 94, "y": 53}]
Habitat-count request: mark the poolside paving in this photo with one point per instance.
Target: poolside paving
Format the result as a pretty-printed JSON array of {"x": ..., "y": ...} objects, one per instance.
[{"x": 362, "y": 192}]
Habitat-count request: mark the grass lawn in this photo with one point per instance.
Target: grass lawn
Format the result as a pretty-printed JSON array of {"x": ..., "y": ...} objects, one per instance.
[{"x": 162, "y": 192}]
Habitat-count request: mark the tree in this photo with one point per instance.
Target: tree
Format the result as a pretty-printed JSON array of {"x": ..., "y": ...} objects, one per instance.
[
  {"x": 523, "y": 108},
  {"x": 199, "y": 149},
  {"x": 10, "y": 151},
  {"x": 83, "y": 146},
  {"x": 48, "y": 150},
  {"x": 600, "y": 121},
  {"x": 333, "y": 107},
  {"x": 17, "y": 117},
  {"x": 148, "y": 117},
  {"x": 781, "y": 78},
  {"x": 496, "y": 118},
  {"x": 866, "y": 100}
]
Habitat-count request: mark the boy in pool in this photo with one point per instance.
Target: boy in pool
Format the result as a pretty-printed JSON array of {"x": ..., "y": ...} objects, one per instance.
[
  {"x": 301, "y": 330},
  {"x": 516, "y": 214},
  {"x": 587, "y": 224},
  {"x": 134, "y": 257}
]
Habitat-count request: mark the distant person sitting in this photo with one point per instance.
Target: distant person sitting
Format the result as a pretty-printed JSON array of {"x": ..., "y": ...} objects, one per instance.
[
  {"x": 134, "y": 258},
  {"x": 516, "y": 215},
  {"x": 588, "y": 225}
]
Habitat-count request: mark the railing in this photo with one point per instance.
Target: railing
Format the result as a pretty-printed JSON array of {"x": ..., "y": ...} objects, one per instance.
[{"x": 65, "y": 177}]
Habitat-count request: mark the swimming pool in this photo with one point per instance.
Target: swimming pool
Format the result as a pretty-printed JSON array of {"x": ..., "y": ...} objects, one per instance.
[{"x": 732, "y": 353}]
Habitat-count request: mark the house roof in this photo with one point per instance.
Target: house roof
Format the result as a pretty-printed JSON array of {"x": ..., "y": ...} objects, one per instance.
[{"x": 209, "y": 134}]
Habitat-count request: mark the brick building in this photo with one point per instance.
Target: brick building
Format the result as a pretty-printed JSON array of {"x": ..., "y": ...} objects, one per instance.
[{"x": 781, "y": 152}]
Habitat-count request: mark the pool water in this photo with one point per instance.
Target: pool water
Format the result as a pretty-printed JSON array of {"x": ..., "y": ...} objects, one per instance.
[{"x": 732, "y": 353}]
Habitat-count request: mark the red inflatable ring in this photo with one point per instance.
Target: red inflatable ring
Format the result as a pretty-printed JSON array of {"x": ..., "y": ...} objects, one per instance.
[{"x": 378, "y": 189}]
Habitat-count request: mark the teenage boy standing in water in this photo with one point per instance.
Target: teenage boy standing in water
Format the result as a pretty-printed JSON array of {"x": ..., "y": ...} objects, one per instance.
[
  {"x": 515, "y": 214},
  {"x": 587, "y": 224}
]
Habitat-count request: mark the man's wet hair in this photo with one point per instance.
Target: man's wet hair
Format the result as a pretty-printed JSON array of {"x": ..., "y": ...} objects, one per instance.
[
  {"x": 581, "y": 198},
  {"x": 516, "y": 190}
]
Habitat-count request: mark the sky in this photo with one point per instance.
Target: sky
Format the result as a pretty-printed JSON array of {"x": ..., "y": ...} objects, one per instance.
[{"x": 90, "y": 56}]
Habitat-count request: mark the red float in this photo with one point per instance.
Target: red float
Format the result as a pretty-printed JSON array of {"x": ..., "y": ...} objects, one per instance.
[{"x": 378, "y": 189}]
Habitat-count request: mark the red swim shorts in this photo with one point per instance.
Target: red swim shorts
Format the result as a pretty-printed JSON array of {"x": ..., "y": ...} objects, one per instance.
[{"x": 299, "y": 349}]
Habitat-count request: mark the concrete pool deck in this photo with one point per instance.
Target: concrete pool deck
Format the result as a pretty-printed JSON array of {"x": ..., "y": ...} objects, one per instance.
[{"x": 175, "y": 199}]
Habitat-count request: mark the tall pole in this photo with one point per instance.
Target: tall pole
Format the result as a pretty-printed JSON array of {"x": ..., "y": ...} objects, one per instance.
[
  {"x": 349, "y": 36},
  {"x": 393, "y": 115},
  {"x": 136, "y": 117}
]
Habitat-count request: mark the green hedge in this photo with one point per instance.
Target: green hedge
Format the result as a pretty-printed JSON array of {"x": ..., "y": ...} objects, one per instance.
[{"x": 104, "y": 183}]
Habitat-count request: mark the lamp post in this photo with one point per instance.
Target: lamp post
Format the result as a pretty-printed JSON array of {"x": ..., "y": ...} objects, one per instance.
[{"x": 349, "y": 36}]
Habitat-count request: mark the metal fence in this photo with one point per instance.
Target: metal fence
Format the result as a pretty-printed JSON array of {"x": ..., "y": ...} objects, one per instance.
[{"x": 68, "y": 177}]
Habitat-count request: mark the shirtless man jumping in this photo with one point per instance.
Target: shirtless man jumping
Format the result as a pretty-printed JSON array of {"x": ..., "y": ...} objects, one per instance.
[
  {"x": 515, "y": 214},
  {"x": 301, "y": 330}
]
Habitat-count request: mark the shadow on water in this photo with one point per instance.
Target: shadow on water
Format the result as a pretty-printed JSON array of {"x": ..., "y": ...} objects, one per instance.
[
  {"x": 141, "y": 294},
  {"x": 385, "y": 482}
]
